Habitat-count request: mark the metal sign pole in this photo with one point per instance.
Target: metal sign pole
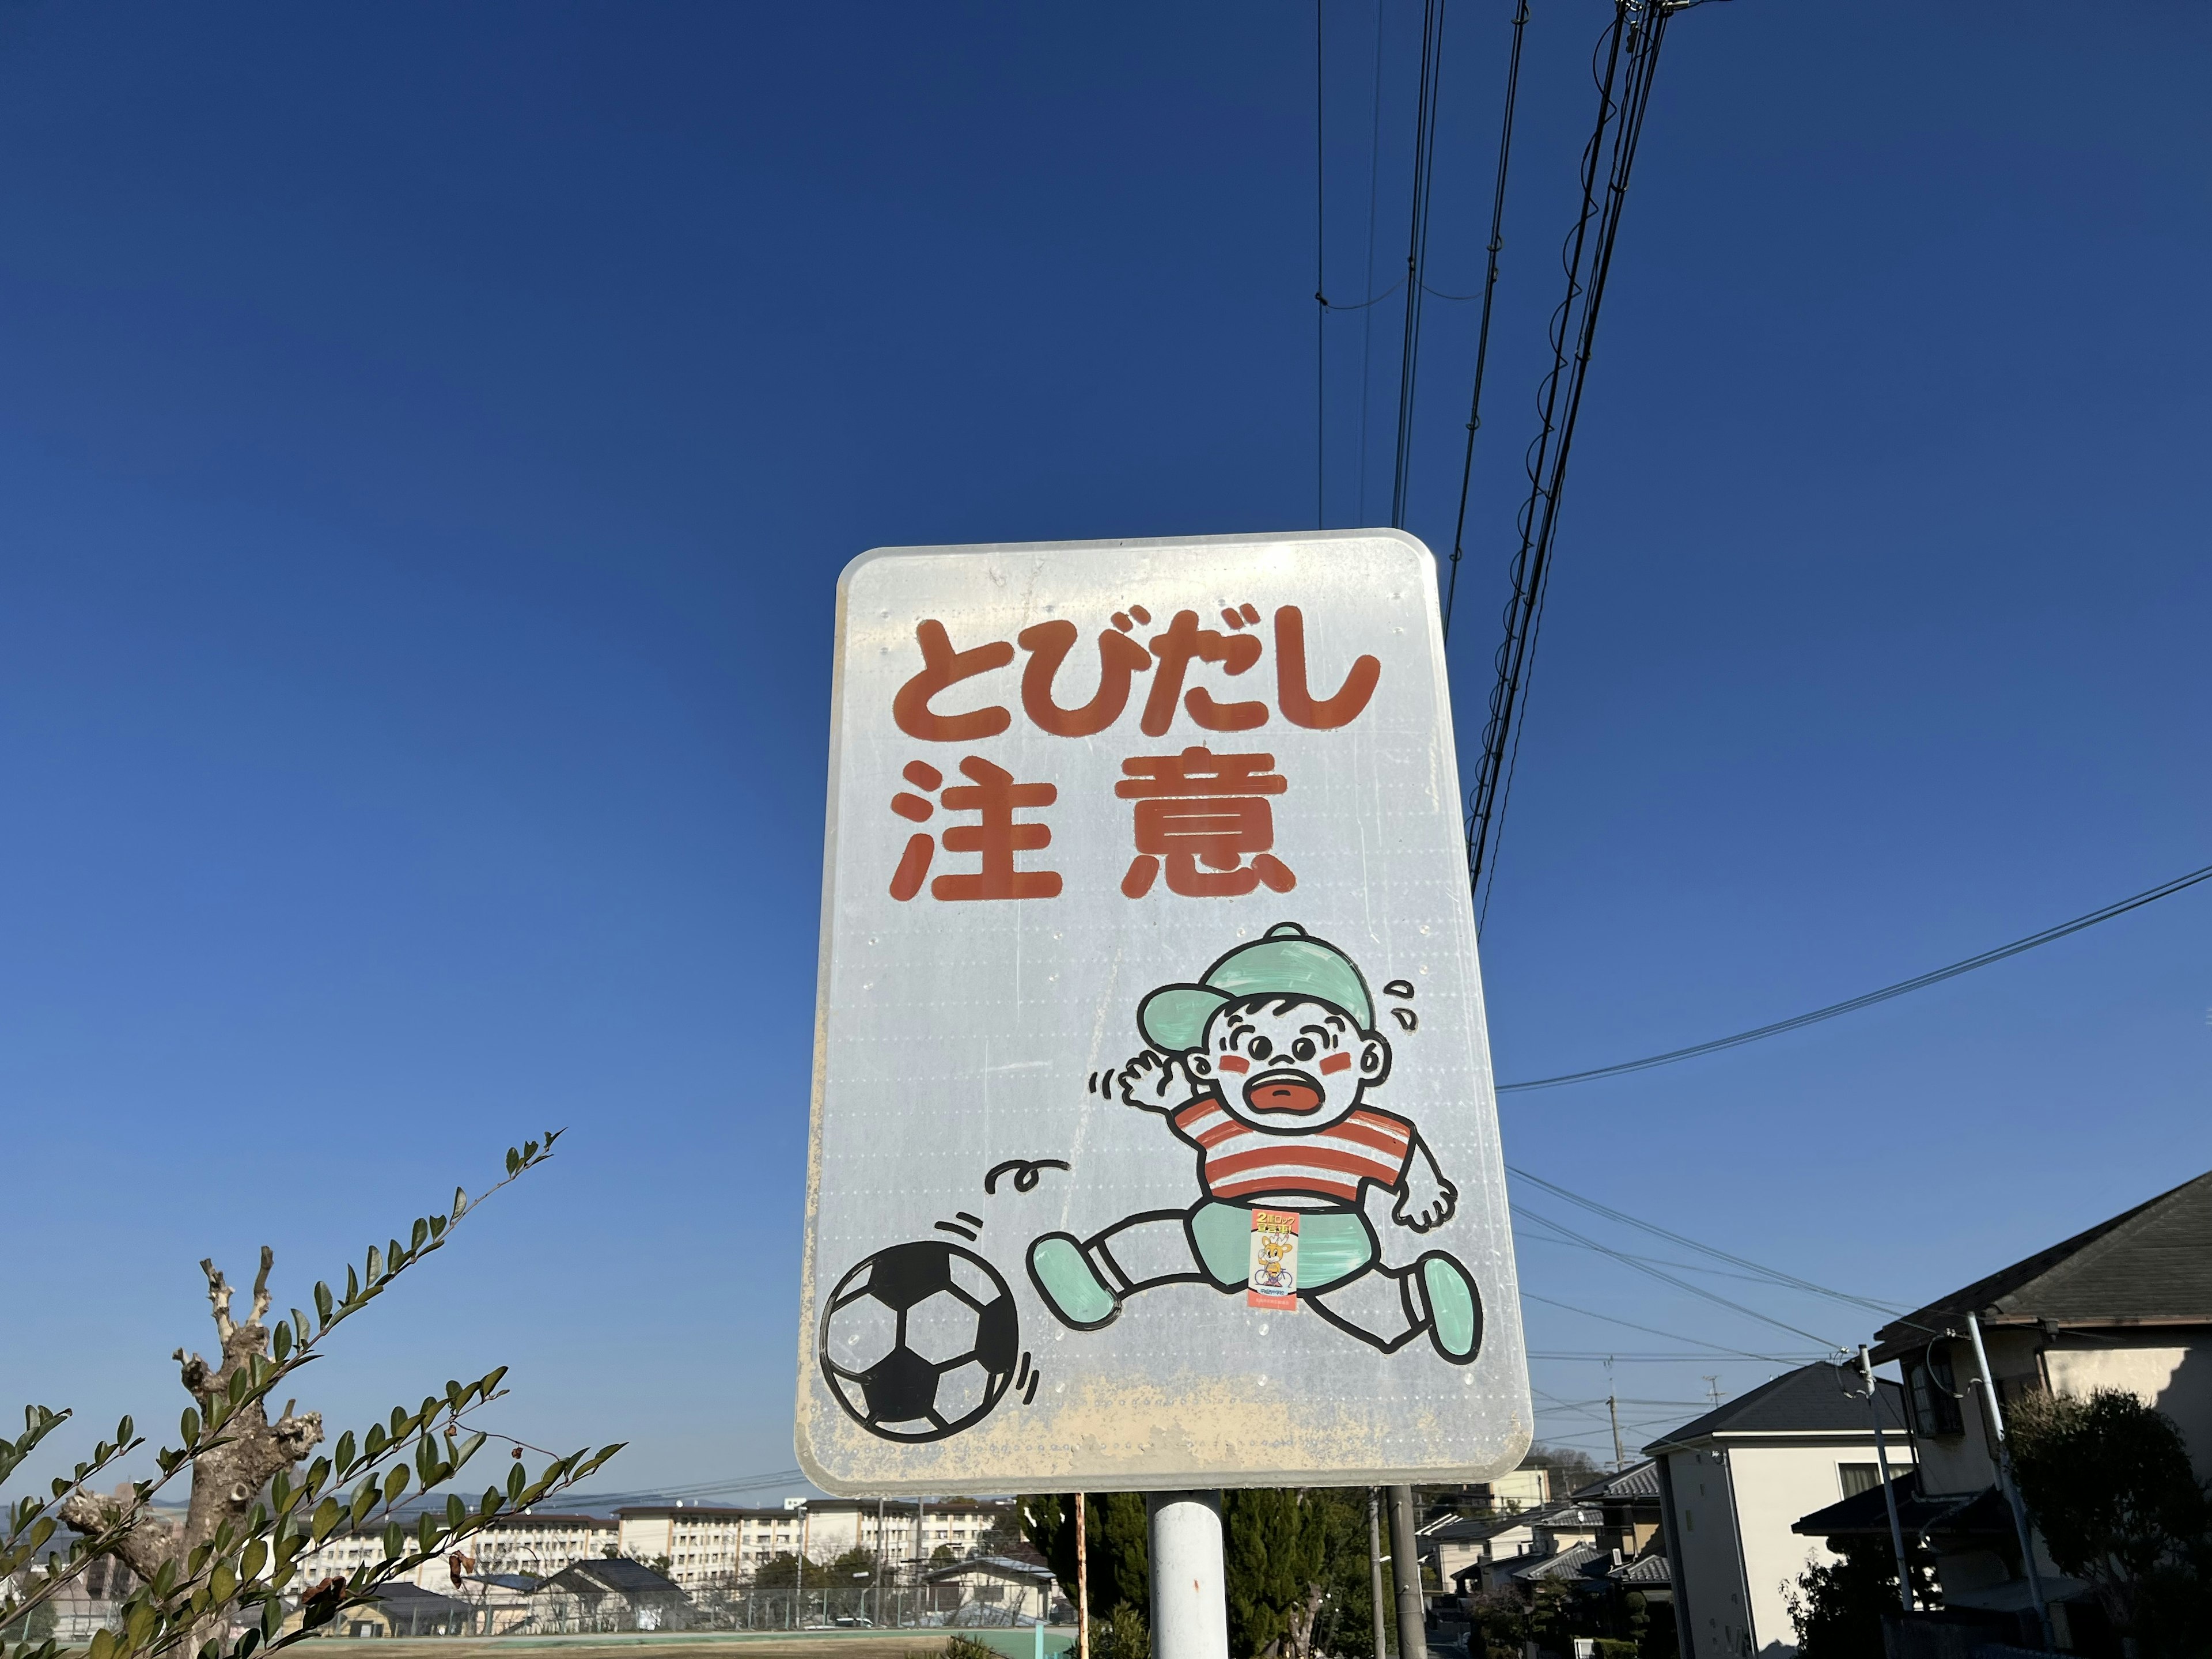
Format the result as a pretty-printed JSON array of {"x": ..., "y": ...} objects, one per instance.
[{"x": 1190, "y": 1617}]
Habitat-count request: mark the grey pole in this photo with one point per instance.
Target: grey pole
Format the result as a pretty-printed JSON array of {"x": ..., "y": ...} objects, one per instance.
[
  {"x": 1888, "y": 1491},
  {"x": 2004, "y": 1474},
  {"x": 1406, "y": 1568},
  {"x": 1374, "y": 1566},
  {"x": 1190, "y": 1614}
]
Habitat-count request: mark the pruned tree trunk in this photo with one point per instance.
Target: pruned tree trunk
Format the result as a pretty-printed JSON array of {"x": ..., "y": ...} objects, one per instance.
[{"x": 226, "y": 1479}]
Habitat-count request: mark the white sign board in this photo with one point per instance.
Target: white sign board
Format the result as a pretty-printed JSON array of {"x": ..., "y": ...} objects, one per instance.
[{"x": 1154, "y": 1143}]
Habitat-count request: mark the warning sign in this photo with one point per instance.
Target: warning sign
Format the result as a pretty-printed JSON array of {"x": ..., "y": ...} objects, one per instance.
[{"x": 1149, "y": 1011}]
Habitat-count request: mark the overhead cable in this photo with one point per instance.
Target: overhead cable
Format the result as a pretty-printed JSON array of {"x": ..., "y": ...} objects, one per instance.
[
  {"x": 1770, "y": 1275},
  {"x": 1631, "y": 47},
  {"x": 1639, "y": 1265},
  {"x": 1852, "y": 1005},
  {"x": 1489, "y": 293},
  {"x": 1417, "y": 243},
  {"x": 1653, "y": 1330},
  {"x": 1321, "y": 296}
]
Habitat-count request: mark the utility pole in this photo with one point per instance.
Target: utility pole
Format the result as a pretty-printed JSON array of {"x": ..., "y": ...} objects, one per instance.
[
  {"x": 1713, "y": 1391},
  {"x": 1888, "y": 1491},
  {"x": 1375, "y": 1567},
  {"x": 1082, "y": 1575},
  {"x": 1406, "y": 1568},
  {"x": 2004, "y": 1472},
  {"x": 1612, "y": 1411}
]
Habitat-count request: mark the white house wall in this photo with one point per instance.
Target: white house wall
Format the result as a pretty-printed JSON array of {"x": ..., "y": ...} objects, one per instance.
[
  {"x": 1702, "y": 1547},
  {"x": 2177, "y": 1379}
]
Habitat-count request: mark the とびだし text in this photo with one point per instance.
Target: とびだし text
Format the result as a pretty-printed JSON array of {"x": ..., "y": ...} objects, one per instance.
[{"x": 1203, "y": 819}]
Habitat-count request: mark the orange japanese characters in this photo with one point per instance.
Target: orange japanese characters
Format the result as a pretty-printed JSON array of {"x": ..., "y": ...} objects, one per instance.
[{"x": 1202, "y": 818}]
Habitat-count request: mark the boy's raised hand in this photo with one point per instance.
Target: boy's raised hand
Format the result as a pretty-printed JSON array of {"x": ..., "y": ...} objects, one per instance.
[
  {"x": 1427, "y": 1199},
  {"x": 1154, "y": 1083}
]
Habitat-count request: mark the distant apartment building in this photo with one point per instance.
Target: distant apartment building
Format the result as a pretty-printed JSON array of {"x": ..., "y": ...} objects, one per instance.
[
  {"x": 707, "y": 1544},
  {"x": 537, "y": 1545}
]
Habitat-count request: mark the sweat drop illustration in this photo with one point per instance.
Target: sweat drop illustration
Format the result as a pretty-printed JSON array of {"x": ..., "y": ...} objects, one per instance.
[{"x": 1267, "y": 1068}]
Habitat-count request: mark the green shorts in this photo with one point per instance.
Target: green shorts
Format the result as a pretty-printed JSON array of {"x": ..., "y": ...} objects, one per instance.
[{"x": 1334, "y": 1245}]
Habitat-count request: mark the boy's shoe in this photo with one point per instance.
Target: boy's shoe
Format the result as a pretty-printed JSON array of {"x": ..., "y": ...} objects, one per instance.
[
  {"x": 1071, "y": 1286},
  {"x": 1454, "y": 1308}
]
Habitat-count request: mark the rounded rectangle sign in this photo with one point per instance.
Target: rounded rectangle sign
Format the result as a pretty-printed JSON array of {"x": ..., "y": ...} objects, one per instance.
[{"x": 1154, "y": 1143}]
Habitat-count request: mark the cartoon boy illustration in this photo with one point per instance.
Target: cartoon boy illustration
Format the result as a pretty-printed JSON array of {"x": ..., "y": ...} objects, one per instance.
[{"x": 1265, "y": 1067}]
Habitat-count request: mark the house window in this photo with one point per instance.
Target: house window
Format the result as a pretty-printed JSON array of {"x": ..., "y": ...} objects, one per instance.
[
  {"x": 1857, "y": 1478},
  {"x": 1933, "y": 1394}
]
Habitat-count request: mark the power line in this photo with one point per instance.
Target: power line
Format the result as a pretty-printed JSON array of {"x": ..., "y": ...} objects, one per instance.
[
  {"x": 1758, "y": 1270},
  {"x": 1374, "y": 196},
  {"x": 1417, "y": 243},
  {"x": 1653, "y": 1330},
  {"x": 1321, "y": 296},
  {"x": 1852, "y": 1005},
  {"x": 1489, "y": 293},
  {"x": 1639, "y": 27},
  {"x": 1639, "y": 1265}
]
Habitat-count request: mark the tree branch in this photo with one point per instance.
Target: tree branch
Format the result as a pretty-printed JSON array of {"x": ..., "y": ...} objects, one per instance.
[
  {"x": 218, "y": 1297},
  {"x": 261, "y": 1286}
]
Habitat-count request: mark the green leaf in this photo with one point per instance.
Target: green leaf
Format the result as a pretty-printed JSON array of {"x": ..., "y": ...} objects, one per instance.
[
  {"x": 300, "y": 1326},
  {"x": 364, "y": 1500},
  {"x": 426, "y": 1532},
  {"x": 421, "y": 1232},
  {"x": 493, "y": 1502},
  {"x": 437, "y": 1226},
  {"x": 103, "y": 1644},
  {"x": 490, "y": 1383},
  {"x": 394, "y": 1484},
  {"x": 122, "y": 1431},
  {"x": 346, "y": 1449},
  {"x": 323, "y": 1304},
  {"x": 255, "y": 1558},
  {"x": 353, "y": 1287},
  {"x": 376, "y": 1263},
  {"x": 515, "y": 1480},
  {"x": 514, "y": 1161},
  {"x": 376, "y": 1442},
  {"x": 188, "y": 1426},
  {"x": 395, "y": 1540},
  {"x": 460, "y": 1202},
  {"x": 223, "y": 1583},
  {"x": 280, "y": 1341},
  {"x": 456, "y": 1512}
]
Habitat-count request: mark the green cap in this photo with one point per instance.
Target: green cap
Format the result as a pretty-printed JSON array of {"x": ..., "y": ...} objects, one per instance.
[{"x": 1283, "y": 963}]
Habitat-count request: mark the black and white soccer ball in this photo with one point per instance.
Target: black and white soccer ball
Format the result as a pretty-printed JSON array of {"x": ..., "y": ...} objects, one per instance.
[{"x": 919, "y": 1342}]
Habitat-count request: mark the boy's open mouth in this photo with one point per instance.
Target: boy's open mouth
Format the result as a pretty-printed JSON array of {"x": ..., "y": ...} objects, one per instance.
[{"x": 1290, "y": 1092}]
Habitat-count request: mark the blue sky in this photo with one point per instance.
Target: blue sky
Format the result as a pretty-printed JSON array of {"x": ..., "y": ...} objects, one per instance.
[{"x": 428, "y": 439}]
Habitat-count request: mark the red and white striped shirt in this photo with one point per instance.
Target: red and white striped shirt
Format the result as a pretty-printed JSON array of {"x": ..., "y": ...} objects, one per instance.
[{"x": 1237, "y": 1160}]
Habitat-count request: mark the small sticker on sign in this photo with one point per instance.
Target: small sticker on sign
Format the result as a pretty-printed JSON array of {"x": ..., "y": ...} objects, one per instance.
[{"x": 1274, "y": 1280}]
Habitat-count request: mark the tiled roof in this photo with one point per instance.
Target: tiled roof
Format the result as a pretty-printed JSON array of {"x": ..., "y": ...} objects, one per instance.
[
  {"x": 1639, "y": 1480},
  {"x": 1567, "y": 1563},
  {"x": 1817, "y": 1399},
  {"x": 2151, "y": 1264}
]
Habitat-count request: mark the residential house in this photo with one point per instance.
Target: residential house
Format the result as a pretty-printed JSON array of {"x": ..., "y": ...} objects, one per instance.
[
  {"x": 2127, "y": 1305},
  {"x": 995, "y": 1589},
  {"x": 399, "y": 1609},
  {"x": 1453, "y": 1536},
  {"x": 1501, "y": 1547},
  {"x": 609, "y": 1593},
  {"x": 1734, "y": 1483}
]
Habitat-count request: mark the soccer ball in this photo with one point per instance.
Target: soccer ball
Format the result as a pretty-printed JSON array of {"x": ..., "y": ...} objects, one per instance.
[{"x": 920, "y": 1340}]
